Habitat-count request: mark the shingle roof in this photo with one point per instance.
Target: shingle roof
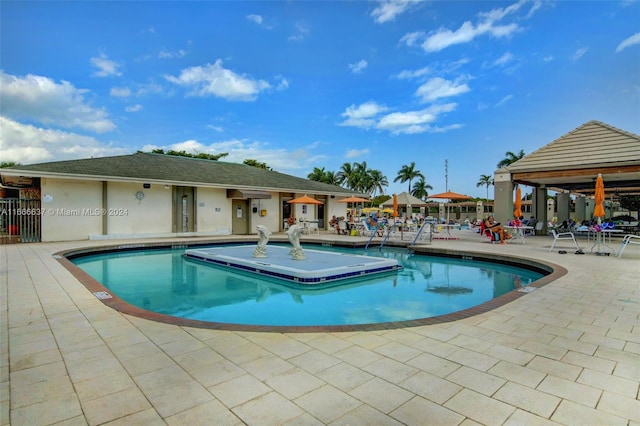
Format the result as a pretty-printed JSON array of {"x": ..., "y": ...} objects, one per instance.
[
  {"x": 594, "y": 144},
  {"x": 144, "y": 167}
]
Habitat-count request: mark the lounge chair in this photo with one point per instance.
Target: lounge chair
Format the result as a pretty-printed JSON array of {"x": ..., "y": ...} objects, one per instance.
[
  {"x": 563, "y": 236},
  {"x": 494, "y": 237},
  {"x": 626, "y": 240},
  {"x": 369, "y": 230}
]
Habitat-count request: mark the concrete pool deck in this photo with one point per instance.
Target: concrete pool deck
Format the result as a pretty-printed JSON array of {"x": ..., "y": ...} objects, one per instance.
[{"x": 567, "y": 353}]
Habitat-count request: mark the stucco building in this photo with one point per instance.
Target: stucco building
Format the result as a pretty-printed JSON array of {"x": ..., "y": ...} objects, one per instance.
[{"x": 151, "y": 195}]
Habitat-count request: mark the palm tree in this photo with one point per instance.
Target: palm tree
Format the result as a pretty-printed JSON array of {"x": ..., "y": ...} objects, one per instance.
[
  {"x": 360, "y": 180},
  {"x": 378, "y": 181},
  {"x": 256, "y": 163},
  {"x": 345, "y": 175},
  {"x": 331, "y": 178},
  {"x": 485, "y": 180},
  {"x": 317, "y": 174},
  {"x": 510, "y": 158},
  {"x": 420, "y": 189},
  {"x": 408, "y": 173}
]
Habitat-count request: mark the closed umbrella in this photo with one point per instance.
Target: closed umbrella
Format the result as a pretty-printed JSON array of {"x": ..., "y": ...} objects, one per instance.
[
  {"x": 599, "y": 209},
  {"x": 518, "y": 203},
  {"x": 395, "y": 206}
]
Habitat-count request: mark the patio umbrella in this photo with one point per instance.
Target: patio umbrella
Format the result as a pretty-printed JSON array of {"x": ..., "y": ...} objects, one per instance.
[
  {"x": 304, "y": 200},
  {"x": 370, "y": 209},
  {"x": 395, "y": 206},
  {"x": 599, "y": 209},
  {"x": 449, "y": 195},
  {"x": 387, "y": 210},
  {"x": 353, "y": 200},
  {"x": 518, "y": 203}
]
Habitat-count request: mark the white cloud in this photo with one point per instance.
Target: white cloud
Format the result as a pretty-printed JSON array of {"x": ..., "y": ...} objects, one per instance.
[
  {"x": 634, "y": 39},
  {"x": 387, "y": 10},
  {"x": 166, "y": 54},
  {"x": 411, "y": 39},
  {"x": 579, "y": 53},
  {"x": 444, "y": 38},
  {"x": 301, "y": 32},
  {"x": 504, "y": 59},
  {"x": 105, "y": 66},
  {"x": 412, "y": 122},
  {"x": 25, "y": 144},
  {"x": 215, "y": 80},
  {"x": 255, "y": 18},
  {"x": 40, "y": 99},
  {"x": 357, "y": 153},
  {"x": 409, "y": 74},
  {"x": 120, "y": 92},
  {"x": 280, "y": 159},
  {"x": 468, "y": 31},
  {"x": 438, "y": 87},
  {"x": 133, "y": 108},
  {"x": 370, "y": 115},
  {"x": 362, "y": 115},
  {"x": 504, "y": 100},
  {"x": 283, "y": 84},
  {"x": 358, "y": 67}
]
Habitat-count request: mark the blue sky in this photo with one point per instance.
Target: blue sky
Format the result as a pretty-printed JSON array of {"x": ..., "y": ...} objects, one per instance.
[{"x": 304, "y": 84}]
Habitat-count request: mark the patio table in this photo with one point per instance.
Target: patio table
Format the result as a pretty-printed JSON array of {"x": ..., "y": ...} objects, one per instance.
[{"x": 518, "y": 233}]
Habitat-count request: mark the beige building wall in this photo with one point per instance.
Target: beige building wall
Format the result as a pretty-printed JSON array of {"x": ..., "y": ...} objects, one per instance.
[
  {"x": 126, "y": 214},
  {"x": 71, "y": 209},
  {"x": 271, "y": 208},
  {"x": 213, "y": 211}
]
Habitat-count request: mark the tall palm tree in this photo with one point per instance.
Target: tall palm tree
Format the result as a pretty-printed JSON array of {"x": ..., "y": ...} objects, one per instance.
[
  {"x": 317, "y": 174},
  {"x": 510, "y": 158},
  {"x": 345, "y": 175},
  {"x": 378, "y": 182},
  {"x": 361, "y": 181},
  {"x": 420, "y": 189},
  {"x": 408, "y": 173},
  {"x": 485, "y": 180},
  {"x": 331, "y": 178}
]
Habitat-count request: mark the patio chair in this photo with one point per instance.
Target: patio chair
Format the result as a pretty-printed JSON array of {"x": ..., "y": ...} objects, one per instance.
[
  {"x": 494, "y": 237},
  {"x": 311, "y": 227},
  {"x": 343, "y": 228},
  {"x": 563, "y": 236},
  {"x": 628, "y": 239}
]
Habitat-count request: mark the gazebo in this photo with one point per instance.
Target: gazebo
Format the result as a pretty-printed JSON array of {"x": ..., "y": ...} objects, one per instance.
[{"x": 569, "y": 165}]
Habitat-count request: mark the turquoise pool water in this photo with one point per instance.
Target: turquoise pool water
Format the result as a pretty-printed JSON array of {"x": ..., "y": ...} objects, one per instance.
[{"x": 164, "y": 281}]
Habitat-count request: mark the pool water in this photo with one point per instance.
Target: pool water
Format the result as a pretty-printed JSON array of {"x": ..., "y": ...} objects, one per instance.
[{"x": 164, "y": 281}]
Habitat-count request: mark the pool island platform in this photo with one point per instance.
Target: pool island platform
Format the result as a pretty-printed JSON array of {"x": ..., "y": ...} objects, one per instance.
[{"x": 319, "y": 267}]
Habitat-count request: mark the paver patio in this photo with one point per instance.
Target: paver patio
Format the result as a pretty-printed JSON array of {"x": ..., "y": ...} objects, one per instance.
[{"x": 567, "y": 353}]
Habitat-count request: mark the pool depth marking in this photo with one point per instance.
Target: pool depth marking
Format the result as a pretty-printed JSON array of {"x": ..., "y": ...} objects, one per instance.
[{"x": 318, "y": 267}]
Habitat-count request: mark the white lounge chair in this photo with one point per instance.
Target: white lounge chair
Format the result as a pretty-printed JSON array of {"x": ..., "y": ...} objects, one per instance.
[
  {"x": 563, "y": 236},
  {"x": 626, "y": 240}
]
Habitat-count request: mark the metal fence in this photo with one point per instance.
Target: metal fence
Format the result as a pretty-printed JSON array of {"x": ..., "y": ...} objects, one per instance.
[{"x": 20, "y": 220}]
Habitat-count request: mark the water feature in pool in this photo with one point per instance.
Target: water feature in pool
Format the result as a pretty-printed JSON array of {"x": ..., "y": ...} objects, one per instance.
[{"x": 164, "y": 281}]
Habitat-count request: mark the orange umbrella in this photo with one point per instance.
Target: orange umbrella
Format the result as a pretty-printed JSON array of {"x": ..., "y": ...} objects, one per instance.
[
  {"x": 518, "y": 211},
  {"x": 449, "y": 195},
  {"x": 353, "y": 200},
  {"x": 395, "y": 206},
  {"x": 599, "y": 210},
  {"x": 304, "y": 200}
]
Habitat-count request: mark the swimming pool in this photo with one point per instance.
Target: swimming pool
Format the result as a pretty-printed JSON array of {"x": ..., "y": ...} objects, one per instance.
[{"x": 163, "y": 281}]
